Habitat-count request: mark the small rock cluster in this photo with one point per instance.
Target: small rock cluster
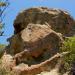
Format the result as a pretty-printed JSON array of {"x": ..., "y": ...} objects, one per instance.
[{"x": 38, "y": 35}]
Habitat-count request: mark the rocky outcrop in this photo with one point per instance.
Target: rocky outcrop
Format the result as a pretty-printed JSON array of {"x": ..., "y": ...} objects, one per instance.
[
  {"x": 35, "y": 38},
  {"x": 59, "y": 20},
  {"x": 35, "y": 42},
  {"x": 38, "y": 36}
]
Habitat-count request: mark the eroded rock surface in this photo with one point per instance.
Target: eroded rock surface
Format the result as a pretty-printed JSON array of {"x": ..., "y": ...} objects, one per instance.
[
  {"x": 38, "y": 36},
  {"x": 59, "y": 20},
  {"x": 8, "y": 62}
]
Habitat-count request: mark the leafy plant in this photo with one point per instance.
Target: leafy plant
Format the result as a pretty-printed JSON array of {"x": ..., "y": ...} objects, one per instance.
[
  {"x": 2, "y": 49},
  {"x": 69, "y": 45}
]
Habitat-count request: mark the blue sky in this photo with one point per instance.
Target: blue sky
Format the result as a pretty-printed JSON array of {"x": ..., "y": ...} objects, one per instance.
[{"x": 18, "y": 5}]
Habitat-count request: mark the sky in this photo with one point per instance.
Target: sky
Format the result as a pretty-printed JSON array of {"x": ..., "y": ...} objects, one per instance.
[{"x": 18, "y": 5}]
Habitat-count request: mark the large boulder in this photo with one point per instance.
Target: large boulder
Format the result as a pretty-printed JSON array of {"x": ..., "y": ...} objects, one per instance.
[
  {"x": 35, "y": 37},
  {"x": 59, "y": 20},
  {"x": 34, "y": 44},
  {"x": 38, "y": 35}
]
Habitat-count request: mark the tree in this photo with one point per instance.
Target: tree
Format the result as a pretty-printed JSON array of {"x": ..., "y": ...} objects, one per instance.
[{"x": 3, "y": 5}]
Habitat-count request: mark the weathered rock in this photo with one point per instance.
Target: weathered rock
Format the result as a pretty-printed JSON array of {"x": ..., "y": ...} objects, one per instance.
[
  {"x": 53, "y": 63},
  {"x": 38, "y": 41},
  {"x": 38, "y": 36},
  {"x": 59, "y": 20},
  {"x": 15, "y": 45},
  {"x": 8, "y": 62}
]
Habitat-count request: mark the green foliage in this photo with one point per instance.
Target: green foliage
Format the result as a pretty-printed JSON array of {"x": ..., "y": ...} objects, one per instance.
[
  {"x": 69, "y": 45},
  {"x": 2, "y": 46},
  {"x": 1, "y": 26},
  {"x": 2, "y": 4},
  {"x": 2, "y": 49}
]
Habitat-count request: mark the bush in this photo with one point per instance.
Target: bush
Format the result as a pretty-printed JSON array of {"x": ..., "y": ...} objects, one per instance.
[
  {"x": 2, "y": 49},
  {"x": 69, "y": 45}
]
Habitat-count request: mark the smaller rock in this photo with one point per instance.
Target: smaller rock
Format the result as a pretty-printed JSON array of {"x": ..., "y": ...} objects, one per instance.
[
  {"x": 41, "y": 46},
  {"x": 8, "y": 62}
]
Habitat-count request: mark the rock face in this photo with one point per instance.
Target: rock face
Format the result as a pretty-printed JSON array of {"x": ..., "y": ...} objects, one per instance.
[
  {"x": 38, "y": 35},
  {"x": 35, "y": 38},
  {"x": 60, "y": 21}
]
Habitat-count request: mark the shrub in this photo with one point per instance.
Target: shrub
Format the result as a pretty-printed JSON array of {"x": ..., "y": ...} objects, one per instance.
[
  {"x": 2, "y": 49},
  {"x": 69, "y": 45}
]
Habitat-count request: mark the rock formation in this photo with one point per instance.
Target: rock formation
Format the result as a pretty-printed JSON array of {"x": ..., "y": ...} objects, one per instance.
[
  {"x": 59, "y": 20},
  {"x": 38, "y": 36}
]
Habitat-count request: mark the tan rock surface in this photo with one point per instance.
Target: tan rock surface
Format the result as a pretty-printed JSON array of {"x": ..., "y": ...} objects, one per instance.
[
  {"x": 59, "y": 20},
  {"x": 8, "y": 62},
  {"x": 38, "y": 35}
]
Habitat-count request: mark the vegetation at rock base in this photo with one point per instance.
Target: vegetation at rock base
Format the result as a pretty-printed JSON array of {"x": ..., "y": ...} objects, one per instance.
[
  {"x": 69, "y": 45},
  {"x": 2, "y": 46}
]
